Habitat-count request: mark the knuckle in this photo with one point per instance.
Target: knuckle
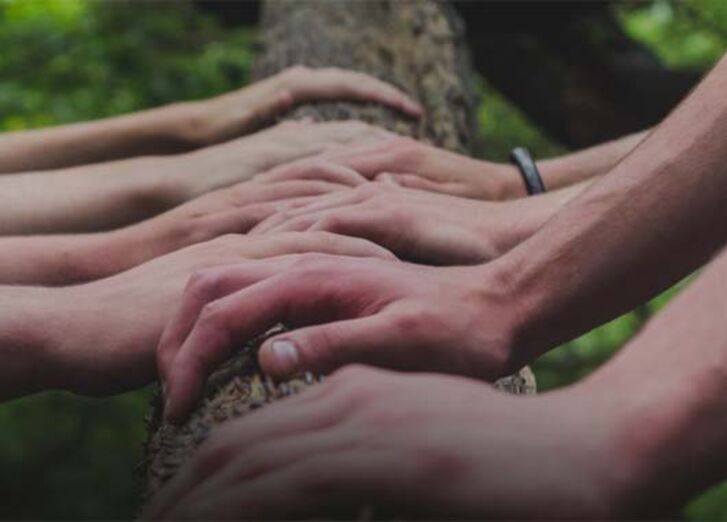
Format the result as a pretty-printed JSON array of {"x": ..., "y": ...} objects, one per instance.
[
  {"x": 212, "y": 316},
  {"x": 203, "y": 284},
  {"x": 414, "y": 322},
  {"x": 331, "y": 223}
]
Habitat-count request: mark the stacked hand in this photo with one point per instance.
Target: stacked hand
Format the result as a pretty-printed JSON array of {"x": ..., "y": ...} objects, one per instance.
[
  {"x": 246, "y": 110},
  {"x": 419, "y": 446},
  {"x": 415, "y": 165},
  {"x": 416, "y": 225},
  {"x": 100, "y": 337},
  {"x": 341, "y": 310}
]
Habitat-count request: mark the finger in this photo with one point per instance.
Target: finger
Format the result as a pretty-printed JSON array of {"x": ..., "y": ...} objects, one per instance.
[
  {"x": 414, "y": 181},
  {"x": 333, "y": 83},
  {"x": 323, "y": 348},
  {"x": 313, "y": 170},
  {"x": 222, "y": 325},
  {"x": 249, "y": 192},
  {"x": 202, "y": 288},
  {"x": 338, "y": 484},
  {"x": 212, "y": 284},
  {"x": 290, "y": 417},
  {"x": 277, "y": 445},
  {"x": 322, "y": 203}
]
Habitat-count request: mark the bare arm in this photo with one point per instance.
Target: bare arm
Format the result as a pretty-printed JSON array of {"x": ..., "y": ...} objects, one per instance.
[
  {"x": 413, "y": 164},
  {"x": 62, "y": 259},
  {"x": 156, "y": 131},
  {"x": 657, "y": 216},
  {"x": 635, "y": 441},
  {"x": 417, "y": 225},
  {"x": 113, "y": 194},
  {"x": 186, "y": 126},
  {"x": 587, "y": 163},
  {"x": 653, "y": 219}
]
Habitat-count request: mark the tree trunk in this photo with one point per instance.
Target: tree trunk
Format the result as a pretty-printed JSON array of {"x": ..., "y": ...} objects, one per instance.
[{"x": 415, "y": 45}]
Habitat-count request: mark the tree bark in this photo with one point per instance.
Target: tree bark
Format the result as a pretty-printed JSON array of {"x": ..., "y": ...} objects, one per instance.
[{"x": 417, "y": 46}]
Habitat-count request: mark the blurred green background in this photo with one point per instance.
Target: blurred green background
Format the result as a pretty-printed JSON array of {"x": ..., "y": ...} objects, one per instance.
[{"x": 64, "y": 457}]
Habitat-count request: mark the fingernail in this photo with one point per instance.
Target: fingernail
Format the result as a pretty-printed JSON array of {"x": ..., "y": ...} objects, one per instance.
[{"x": 285, "y": 354}]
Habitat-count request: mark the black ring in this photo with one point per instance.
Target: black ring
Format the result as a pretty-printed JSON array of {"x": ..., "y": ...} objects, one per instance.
[{"x": 521, "y": 157}]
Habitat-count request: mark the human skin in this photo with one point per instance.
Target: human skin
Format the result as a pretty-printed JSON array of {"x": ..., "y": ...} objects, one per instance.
[
  {"x": 413, "y": 164},
  {"x": 635, "y": 440},
  {"x": 62, "y": 259},
  {"x": 109, "y": 195},
  {"x": 598, "y": 257},
  {"x": 185, "y": 126},
  {"x": 99, "y": 338},
  {"x": 422, "y": 226}
]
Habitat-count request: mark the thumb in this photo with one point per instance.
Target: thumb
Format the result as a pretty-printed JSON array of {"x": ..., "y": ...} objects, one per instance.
[{"x": 323, "y": 348}]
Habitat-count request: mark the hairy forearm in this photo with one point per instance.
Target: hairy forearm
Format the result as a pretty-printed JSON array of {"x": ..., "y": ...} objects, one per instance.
[
  {"x": 164, "y": 130},
  {"x": 653, "y": 219},
  {"x": 588, "y": 163}
]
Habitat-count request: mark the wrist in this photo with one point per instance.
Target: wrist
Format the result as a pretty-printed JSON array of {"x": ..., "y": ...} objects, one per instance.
[{"x": 506, "y": 180}]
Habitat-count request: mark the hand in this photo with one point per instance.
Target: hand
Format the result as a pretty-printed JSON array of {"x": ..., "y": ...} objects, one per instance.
[
  {"x": 407, "y": 446},
  {"x": 342, "y": 310},
  {"x": 246, "y": 110},
  {"x": 231, "y": 210},
  {"x": 105, "y": 340},
  {"x": 413, "y": 164},
  {"x": 416, "y": 225},
  {"x": 193, "y": 174}
]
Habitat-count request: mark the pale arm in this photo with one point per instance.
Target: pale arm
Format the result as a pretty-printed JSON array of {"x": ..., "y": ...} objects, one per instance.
[
  {"x": 189, "y": 125},
  {"x": 109, "y": 195},
  {"x": 156, "y": 131}
]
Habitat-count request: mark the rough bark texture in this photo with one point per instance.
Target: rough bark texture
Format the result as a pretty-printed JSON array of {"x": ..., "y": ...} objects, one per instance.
[{"x": 415, "y": 45}]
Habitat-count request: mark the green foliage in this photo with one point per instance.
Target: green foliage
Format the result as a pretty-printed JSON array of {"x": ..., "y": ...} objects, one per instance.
[
  {"x": 71, "y": 60},
  {"x": 64, "y": 457}
]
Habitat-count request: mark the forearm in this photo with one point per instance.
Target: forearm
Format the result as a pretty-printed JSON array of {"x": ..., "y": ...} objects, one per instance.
[
  {"x": 652, "y": 220},
  {"x": 28, "y": 324},
  {"x": 588, "y": 163},
  {"x": 90, "y": 198},
  {"x": 668, "y": 386},
  {"x": 70, "y": 259},
  {"x": 517, "y": 220},
  {"x": 163, "y": 130}
]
